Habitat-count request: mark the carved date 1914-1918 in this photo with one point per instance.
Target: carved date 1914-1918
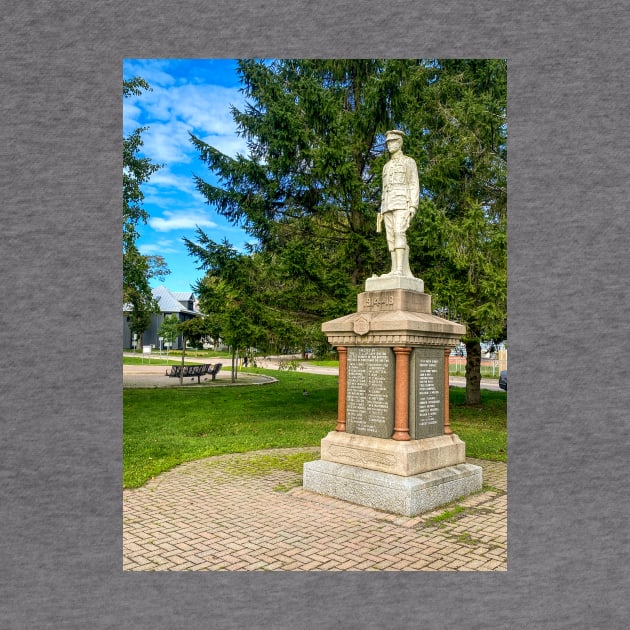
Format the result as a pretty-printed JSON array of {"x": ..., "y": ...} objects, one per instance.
[{"x": 380, "y": 300}]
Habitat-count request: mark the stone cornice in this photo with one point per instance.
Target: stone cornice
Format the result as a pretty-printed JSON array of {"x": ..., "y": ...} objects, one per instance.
[
  {"x": 428, "y": 339},
  {"x": 393, "y": 317}
]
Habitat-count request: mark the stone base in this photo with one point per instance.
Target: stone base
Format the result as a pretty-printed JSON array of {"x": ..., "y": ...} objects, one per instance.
[
  {"x": 407, "y": 496},
  {"x": 395, "y": 317},
  {"x": 393, "y": 300},
  {"x": 385, "y": 283},
  {"x": 390, "y": 456}
]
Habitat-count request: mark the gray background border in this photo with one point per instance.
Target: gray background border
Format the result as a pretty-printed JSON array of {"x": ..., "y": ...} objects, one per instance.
[{"x": 60, "y": 548}]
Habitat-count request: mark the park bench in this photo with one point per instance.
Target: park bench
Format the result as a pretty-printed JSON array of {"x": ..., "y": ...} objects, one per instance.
[{"x": 195, "y": 370}]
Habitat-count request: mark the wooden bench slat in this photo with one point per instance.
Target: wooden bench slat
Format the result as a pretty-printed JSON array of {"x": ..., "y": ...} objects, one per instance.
[{"x": 195, "y": 370}]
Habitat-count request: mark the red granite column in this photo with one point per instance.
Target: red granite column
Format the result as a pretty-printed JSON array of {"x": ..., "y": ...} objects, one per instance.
[
  {"x": 343, "y": 383},
  {"x": 401, "y": 403},
  {"x": 447, "y": 417}
]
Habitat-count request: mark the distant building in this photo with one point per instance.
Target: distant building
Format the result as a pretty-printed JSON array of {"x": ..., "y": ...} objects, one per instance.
[{"x": 170, "y": 303}]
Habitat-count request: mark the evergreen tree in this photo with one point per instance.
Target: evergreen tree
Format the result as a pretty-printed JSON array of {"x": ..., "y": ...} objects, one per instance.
[
  {"x": 309, "y": 189},
  {"x": 238, "y": 300},
  {"x": 311, "y": 128},
  {"x": 459, "y": 242},
  {"x": 137, "y": 269}
]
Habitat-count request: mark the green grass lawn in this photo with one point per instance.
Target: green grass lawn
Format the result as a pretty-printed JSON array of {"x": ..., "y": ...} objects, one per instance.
[
  {"x": 166, "y": 427},
  {"x": 322, "y": 362},
  {"x": 454, "y": 369},
  {"x": 486, "y": 371},
  {"x": 483, "y": 428}
]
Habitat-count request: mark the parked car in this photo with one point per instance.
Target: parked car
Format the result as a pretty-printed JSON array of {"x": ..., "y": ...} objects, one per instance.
[{"x": 503, "y": 380}]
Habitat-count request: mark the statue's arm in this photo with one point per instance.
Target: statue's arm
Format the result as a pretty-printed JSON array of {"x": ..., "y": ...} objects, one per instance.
[
  {"x": 384, "y": 188},
  {"x": 379, "y": 216},
  {"x": 414, "y": 184}
]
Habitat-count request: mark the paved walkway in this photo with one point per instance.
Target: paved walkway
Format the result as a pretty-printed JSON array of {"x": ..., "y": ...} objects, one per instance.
[
  {"x": 147, "y": 376},
  {"x": 151, "y": 375},
  {"x": 234, "y": 513}
]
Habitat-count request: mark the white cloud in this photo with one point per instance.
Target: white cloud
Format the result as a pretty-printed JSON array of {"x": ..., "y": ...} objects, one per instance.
[
  {"x": 181, "y": 102},
  {"x": 159, "y": 248},
  {"x": 229, "y": 145},
  {"x": 167, "y": 143},
  {"x": 207, "y": 107},
  {"x": 182, "y": 220},
  {"x": 171, "y": 191},
  {"x": 131, "y": 117},
  {"x": 165, "y": 180},
  {"x": 154, "y": 71},
  {"x": 173, "y": 111},
  {"x": 158, "y": 199}
]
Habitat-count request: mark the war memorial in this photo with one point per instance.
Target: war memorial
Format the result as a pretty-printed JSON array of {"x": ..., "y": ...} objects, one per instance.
[{"x": 393, "y": 448}]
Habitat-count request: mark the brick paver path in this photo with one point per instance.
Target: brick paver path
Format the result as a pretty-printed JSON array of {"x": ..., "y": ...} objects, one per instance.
[{"x": 234, "y": 513}]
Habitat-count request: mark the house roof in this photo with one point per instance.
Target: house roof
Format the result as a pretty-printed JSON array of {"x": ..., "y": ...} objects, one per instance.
[
  {"x": 169, "y": 302},
  {"x": 182, "y": 296}
]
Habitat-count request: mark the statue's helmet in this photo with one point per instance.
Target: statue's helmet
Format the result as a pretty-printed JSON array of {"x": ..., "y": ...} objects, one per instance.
[{"x": 394, "y": 134}]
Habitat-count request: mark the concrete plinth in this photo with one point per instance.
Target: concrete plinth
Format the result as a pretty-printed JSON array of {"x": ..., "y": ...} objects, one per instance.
[
  {"x": 393, "y": 317},
  {"x": 388, "y": 282},
  {"x": 399, "y": 458},
  {"x": 408, "y": 496}
]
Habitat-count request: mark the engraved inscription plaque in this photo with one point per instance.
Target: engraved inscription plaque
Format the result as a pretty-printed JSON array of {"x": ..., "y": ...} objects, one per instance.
[
  {"x": 370, "y": 391},
  {"x": 426, "y": 393}
]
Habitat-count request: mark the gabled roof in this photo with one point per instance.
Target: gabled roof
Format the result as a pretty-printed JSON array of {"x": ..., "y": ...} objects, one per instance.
[
  {"x": 182, "y": 296},
  {"x": 169, "y": 302}
]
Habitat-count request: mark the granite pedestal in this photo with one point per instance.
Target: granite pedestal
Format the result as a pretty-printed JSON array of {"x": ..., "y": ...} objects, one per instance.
[
  {"x": 393, "y": 448},
  {"x": 408, "y": 496}
]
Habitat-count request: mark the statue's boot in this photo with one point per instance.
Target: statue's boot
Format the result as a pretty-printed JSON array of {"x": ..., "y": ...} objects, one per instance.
[
  {"x": 401, "y": 252},
  {"x": 398, "y": 262},
  {"x": 393, "y": 271},
  {"x": 406, "y": 270}
]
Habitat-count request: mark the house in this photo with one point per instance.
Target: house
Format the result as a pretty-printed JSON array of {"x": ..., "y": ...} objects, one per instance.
[{"x": 170, "y": 303}]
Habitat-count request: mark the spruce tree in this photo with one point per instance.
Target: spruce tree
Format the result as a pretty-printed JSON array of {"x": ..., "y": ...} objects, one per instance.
[{"x": 308, "y": 190}]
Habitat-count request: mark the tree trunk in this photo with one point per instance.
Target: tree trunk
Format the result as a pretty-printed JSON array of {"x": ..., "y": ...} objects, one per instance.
[
  {"x": 233, "y": 365},
  {"x": 181, "y": 375},
  {"x": 473, "y": 372}
]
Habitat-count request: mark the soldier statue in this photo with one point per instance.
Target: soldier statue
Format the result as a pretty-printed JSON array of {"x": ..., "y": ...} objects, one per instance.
[{"x": 399, "y": 203}]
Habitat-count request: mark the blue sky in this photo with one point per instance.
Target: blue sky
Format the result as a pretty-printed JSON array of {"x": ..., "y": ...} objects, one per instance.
[{"x": 188, "y": 95}]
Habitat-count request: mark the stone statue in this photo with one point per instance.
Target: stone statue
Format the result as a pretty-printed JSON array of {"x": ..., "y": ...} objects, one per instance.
[{"x": 399, "y": 203}]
